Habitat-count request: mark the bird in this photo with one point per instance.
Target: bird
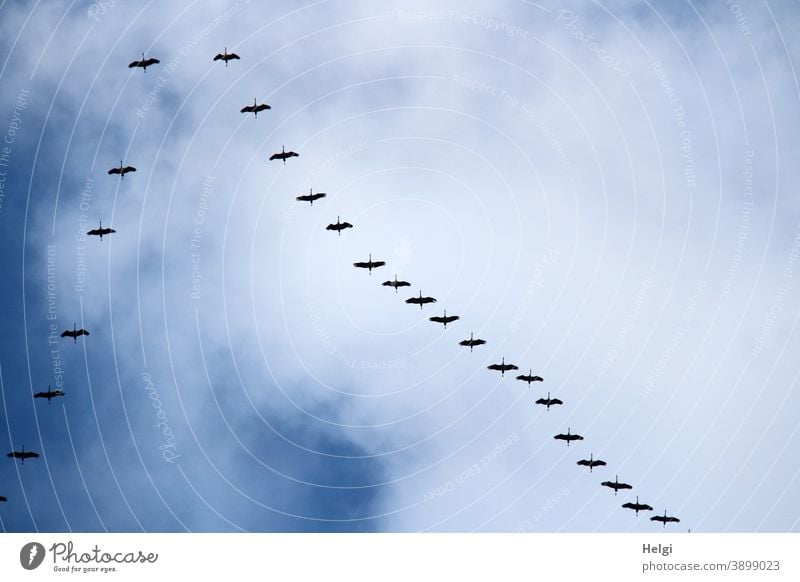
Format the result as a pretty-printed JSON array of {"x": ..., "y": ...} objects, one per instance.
[
  {"x": 122, "y": 170},
  {"x": 637, "y": 507},
  {"x": 397, "y": 284},
  {"x": 568, "y": 437},
  {"x": 3, "y": 498},
  {"x": 591, "y": 463},
  {"x": 50, "y": 394},
  {"x": 530, "y": 378},
  {"x": 503, "y": 368},
  {"x": 445, "y": 319},
  {"x": 226, "y": 56},
  {"x": 616, "y": 485},
  {"x": 75, "y": 333},
  {"x": 472, "y": 342},
  {"x": 665, "y": 519},
  {"x": 255, "y": 107},
  {"x": 310, "y": 197},
  {"x": 284, "y": 155},
  {"x": 100, "y": 231},
  {"x": 548, "y": 402},
  {"x": 370, "y": 264},
  {"x": 144, "y": 63},
  {"x": 418, "y": 300},
  {"x": 339, "y": 226},
  {"x": 22, "y": 455}
]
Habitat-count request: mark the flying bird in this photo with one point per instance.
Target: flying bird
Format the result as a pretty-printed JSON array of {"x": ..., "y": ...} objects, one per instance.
[
  {"x": 591, "y": 463},
  {"x": 255, "y": 107},
  {"x": 665, "y": 519},
  {"x": 284, "y": 155},
  {"x": 74, "y": 333},
  {"x": 397, "y": 284},
  {"x": 548, "y": 402},
  {"x": 530, "y": 378},
  {"x": 310, "y": 197},
  {"x": 370, "y": 264},
  {"x": 418, "y": 300},
  {"x": 502, "y": 368},
  {"x": 568, "y": 437},
  {"x": 122, "y": 170},
  {"x": 616, "y": 485},
  {"x": 445, "y": 319},
  {"x": 144, "y": 63},
  {"x": 637, "y": 507},
  {"x": 100, "y": 231},
  {"x": 472, "y": 342},
  {"x": 339, "y": 226},
  {"x": 226, "y": 56},
  {"x": 50, "y": 394},
  {"x": 22, "y": 455}
]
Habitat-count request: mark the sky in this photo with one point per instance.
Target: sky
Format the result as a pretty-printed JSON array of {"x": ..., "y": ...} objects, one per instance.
[{"x": 604, "y": 191}]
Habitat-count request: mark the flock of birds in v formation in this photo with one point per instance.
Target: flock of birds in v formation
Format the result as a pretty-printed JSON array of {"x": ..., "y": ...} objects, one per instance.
[{"x": 369, "y": 264}]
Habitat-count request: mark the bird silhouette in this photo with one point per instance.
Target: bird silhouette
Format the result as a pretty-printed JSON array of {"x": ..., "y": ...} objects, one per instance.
[
  {"x": 665, "y": 519},
  {"x": 22, "y": 455},
  {"x": 74, "y": 333},
  {"x": 339, "y": 226},
  {"x": 50, "y": 394},
  {"x": 591, "y": 463},
  {"x": 283, "y": 155},
  {"x": 529, "y": 378},
  {"x": 503, "y": 367},
  {"x": 370, "y": 264},
  {"x": 122, "y": 170},
  {"x": 637, "y": 507},
  {"x": 419, "y": 300},
  {"x": 569, "y": 437},
  {"x": 616, "y": 485},
  {"x": 100, "y": 231},
  {"x": 548, "y": 402},
  {"x": 226, "y": 56},
  {"x": 310, "y": 197},
  {"x": 144, "y": 63},
  {"x": 445, "y": 319},
  {"x": 255, "y": 108},
  {"x": 396, "y": 284},
  {"x": 2, "y": 499},
  {"x": 471, "y": 342}
]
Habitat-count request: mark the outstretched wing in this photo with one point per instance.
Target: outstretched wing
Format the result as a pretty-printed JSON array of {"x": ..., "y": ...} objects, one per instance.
[
  {"x": 219, "y": 57},
  {"x": 583, "y": 463},
  {"x": 262, "y": 107},
  {"x": 115, "y": 171},
  {"x": 247, "y": 109},
  {"x": 555, "y": 401},
  {"x": 94, "y": 231},
  {"x": 541, "y": 401},
  {"x": 361, "y": 264},
  {"x": 673, "y": 519},
  {"x": 378, "y": 263},
  {"x": 40, "y": 395},
  {"x": 68, "y": 333},
  {"x": 233, "y": 56},
  {"x": 128, "y": 169},
  {"x": 82, "y": 332},
  {"x": 134, "y": 64},
  {"x": 275, "y": 156},
  {"x": 152, "y": 62}
]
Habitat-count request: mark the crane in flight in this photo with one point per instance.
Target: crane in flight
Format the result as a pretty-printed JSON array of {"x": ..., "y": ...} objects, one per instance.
[
  {"x": 284, "y": 155},
  {"x": 144, "y": 63},
  {"x": 616, "y": 485},
  {"x": 226, "y": 56},
  {"x": 529, "y": 378},
  {"x": 396, "y": 284},
  {"x": 74, "y": 333},
  {"x": 22, "y": 455},
  {"x": 637, "y": 507},
  {"x": 471, "y": 342},
  {"x": 503, "y": 367},
  {"x": 101, "y": 232},
  {"x": 665, "y": 519},
  {"x": 591, "y": 462},
  {"x": 569, "y": 437},
  {"x": 339, "y": 226},
  {"x": 419, "y": 300},
  {"x": 122, "y": 170},
  {"x": 548, "y": 402},
  {"x": 255, "y": 108},
  {"x": 370, "y": 264},
  {"x": 310, "y": 197},
  {"x": 50, "y": 394},
  {"x": 444, "y": 319}
]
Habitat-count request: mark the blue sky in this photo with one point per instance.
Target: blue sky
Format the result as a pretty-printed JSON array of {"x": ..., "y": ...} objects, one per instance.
[{"x": 605, "y": 192}]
